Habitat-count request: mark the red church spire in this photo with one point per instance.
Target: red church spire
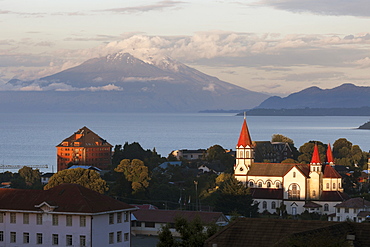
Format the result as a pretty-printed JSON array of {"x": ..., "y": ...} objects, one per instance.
[
  {"x": 244, "y": 138},
  {"x": 315, "y": 156},
  {"x": 329, "y": 155}
]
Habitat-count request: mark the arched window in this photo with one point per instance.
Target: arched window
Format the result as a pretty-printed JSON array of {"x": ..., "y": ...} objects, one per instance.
[
  {"x": 251, "y": 184},
  {"x": 326, "y": 207},
  {"x": 277, "y": 185},
  {"x": 293, "y": 174},
  {"x": 334, "y": 186},
  {"x": 264, "y": 205},
  {"x": 314, "y": 168},
  {"x": 327, "y": 185},
  {"x": 241, "y": 154},
  {"x": 314, "y": 193},
  {"x": 273, "y": 205},
  {"x": 268, "y": 185},
  {"x": 293, "y": 191},
  {"x": 259, "y": 184},
  {"x": 247, "y": 154}
]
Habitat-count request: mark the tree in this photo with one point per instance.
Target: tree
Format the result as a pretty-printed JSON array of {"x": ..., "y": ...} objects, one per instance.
[
  {"x": 85, "y": 177},
  {"x": 347, "y": 154},
  {"x": 30, "y": 176},
  {"x": 165, "y": 237},
  {"x": 281, "y": 138},
  {"x": 216, "y": 153},
  {"x": 136, "y": 172},
  {"x": 306, "y": 151}
]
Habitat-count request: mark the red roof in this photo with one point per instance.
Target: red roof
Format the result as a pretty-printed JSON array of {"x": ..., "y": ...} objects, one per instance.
[
  {"x": 329, "y": 155},
  {"x": 315, "y": 156},
  {"x": 333, "y": 196},
  {"x": 244, "y": 138},
  {"x": 64, "y": 197},
  {"x": 330, "y": 172},
  {"x": 169, "y": 216}
]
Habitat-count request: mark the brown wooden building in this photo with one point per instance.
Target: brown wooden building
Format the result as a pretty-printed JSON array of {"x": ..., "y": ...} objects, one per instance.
[{"x": 84, "y": 147}]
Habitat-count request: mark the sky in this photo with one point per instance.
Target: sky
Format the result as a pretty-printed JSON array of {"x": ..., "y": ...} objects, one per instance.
[{"x": 272, "y": 46}]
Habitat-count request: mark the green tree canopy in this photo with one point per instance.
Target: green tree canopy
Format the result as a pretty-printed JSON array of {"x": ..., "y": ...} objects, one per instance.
[
  {"x": 281, "y": 138},
  {"x": 306, "y": 151},
  {"x": 85, "y": 177},
  {"x": 136, "y": 172},
  {"x": 30, "y": 176},
  {"x": 347, "y": 154},
  {"x": 216, "y": 153}
]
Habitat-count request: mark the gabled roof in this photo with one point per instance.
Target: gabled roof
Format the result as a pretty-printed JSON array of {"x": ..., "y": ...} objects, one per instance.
[
  {"x": 169, "y": 216},
  {"x": 330, "y": 172},
  {"x": 315, "y": 156},
  {"x": 67, "y": 198},
  {"x": 85, "y": 137},
  {"x": 357, "y": 202},
  {"x": 333, "y": 196},
  {"x": 244, "y": 138},
  {"x": 276, "y": 169},
  {"x": 263, "y": 193}
]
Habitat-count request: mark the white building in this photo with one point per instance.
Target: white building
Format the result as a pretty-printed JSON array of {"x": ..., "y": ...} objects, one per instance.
[
  {"x": 315, "y": 187},
  {"x": 355, "y": 209},
  {"x": 66, "y": 215}
]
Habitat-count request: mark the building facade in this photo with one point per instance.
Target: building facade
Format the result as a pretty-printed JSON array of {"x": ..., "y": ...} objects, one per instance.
[
  {"x": 315, "y": 187},
  {"x": 66, "y": 215},
  {"x": 84, "y": 147}
]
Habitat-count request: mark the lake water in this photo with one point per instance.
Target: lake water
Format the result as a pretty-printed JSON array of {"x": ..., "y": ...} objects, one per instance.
[{"x": 30, "y": 139}]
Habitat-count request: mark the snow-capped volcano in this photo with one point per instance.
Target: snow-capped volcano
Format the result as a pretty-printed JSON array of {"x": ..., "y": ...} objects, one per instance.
[{"x": 158, "y": 83}]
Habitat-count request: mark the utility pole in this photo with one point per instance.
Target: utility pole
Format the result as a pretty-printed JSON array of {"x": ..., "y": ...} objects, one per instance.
[{"x": 196, "y": 195}]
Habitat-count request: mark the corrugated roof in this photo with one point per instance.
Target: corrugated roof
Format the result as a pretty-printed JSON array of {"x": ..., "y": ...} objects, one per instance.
[
  {"x": 169, "y": 216},
  {"x": 66, "y": 197}
]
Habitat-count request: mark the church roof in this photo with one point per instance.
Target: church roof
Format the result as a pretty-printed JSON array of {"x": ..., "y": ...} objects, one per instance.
[
  {"x": 276, "y": 169},
  {"x": 315, "y": 156},
  {"x": 329, "y": 155},
  {"x": 330, "y": 172},
  {"x": 333, "y": 196},
  {"x": 244, "y": 138}
]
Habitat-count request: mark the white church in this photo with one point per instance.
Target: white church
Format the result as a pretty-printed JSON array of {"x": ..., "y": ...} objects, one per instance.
[{"x": 316, "y": 187}]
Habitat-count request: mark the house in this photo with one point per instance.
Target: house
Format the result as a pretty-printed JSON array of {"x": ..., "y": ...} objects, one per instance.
[
  {"x": 316, "y": 187},
  {"x": 189, "y": 154},
  {"x": 256, "y": 232},
  {"x": 355, "y": 209},
  {"x": 45, "y": 177},
  {"x": 273, "y": 152},
  {"x": 84, "y": 147},
  {"x": 66, "y": 215},
  {"x": 149, "y": 221}
]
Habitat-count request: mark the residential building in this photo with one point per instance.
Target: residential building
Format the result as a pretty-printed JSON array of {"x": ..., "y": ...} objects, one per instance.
[
  {"x": 84, "y": 147},
  {"x": 316, "y": 187},
  {"x": 272, "y": 152},
  {"x": 355, "y": 209},
  {"x": 149, "y": 221},
  {"x": 66, "y": 215},
  {"x": 189, "y": 154},
  {"x": 256, "y": 232},
  {"x": 45, "y": 177}
]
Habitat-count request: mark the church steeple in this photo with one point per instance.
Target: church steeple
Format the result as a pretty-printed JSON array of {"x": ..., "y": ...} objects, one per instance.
[
  {"x": 315, "y": 165},
  {"x": 244, "y": 153},
  {"x": 329, "y": 156}
]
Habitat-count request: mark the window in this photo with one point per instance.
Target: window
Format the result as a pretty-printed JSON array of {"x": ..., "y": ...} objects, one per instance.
[
  {"x": 334, "y": 186},
  {"x": 26, "y": 218},
  {"x": 241, "y": 154},
  {"x": 38, "y": 238},
  {"x": 338, "y": 218},
  {"x": 119, "y": 237},
  {"x": 55, "y": 239},
  {"x": 1, "y": 218},
  {"x": 338, "y": 210},
  {"x": 119, "y": 217},
  {"x": 39, "y": 219},
  {"x": 1, "y": 236},
  {"x": 111, "y": 219},
  {"x": 111, "y": 237},
  {"x": 293, "y": 192},
  {"x": 346, "y": 210},
  {"x": 82, "y": 221},
  {"x": 149, "y": 224},
  {"x": 127, "y": 216},
  {"x": 268, "y": 184},
  {"x": 69, "y": 220},
  {"x": 339, "y": 186},
  {"x": 82, "y": 240},
  {"x": 326, "y": 207},
  {"x": 259, "y": 184},
  {"x": 13, "y": 218},
  {"x": 264, "y": 205},
  {"x": 13, "y": 237},
  {"x": 314, "y": 193},
  {"x": 69, "y": 240},
  {"x": 251, "y": 184},
  {"x": 55, "y": 220},
  {"x": 273, "y": 205},
  {"x": 294, "y": 174},
  {"x": 26, "y": 238},
  {"x": 277, "y": 185},
  {"x": 126, "y": 236},
  {"x": 327, "y": 185}
]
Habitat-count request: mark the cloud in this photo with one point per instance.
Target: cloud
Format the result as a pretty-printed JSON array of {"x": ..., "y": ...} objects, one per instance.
[
  {"x": 210, "y": 87},
  {"x": 145, "y": 8},
  {"x": 362, "y": 63},
  {"x": 359, "y": 8}
]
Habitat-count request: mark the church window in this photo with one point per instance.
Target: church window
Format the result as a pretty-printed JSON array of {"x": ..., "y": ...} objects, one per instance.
[
  {"x": 314, "y": 169},
  {"x": 251, "y": 184},
  {"x": 268, "y": 184},
  {"x": 241, "y": 154},
  {"x": 293, "y": 192},
  {"x": 277, "y": 185},
  {"x": 241, "y": 169},
  {"x": 259, "y": 184},
  {"x": 314, "y": 193},
  {"x": 293, "y": 174},
  {"x": 327, "y": 185},
  {"x": 264, "y": 205},
  {"x": 339, "y": 186},
  {"x": 333, "y": 185},
  {"x": 326, "y": 207},
  {"x": 273, "y": 205}
]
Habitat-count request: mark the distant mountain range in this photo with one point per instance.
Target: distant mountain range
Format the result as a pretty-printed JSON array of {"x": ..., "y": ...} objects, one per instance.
[
  {"x": 123, "y": 83},
  {"x": 344, "y": 96}
]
